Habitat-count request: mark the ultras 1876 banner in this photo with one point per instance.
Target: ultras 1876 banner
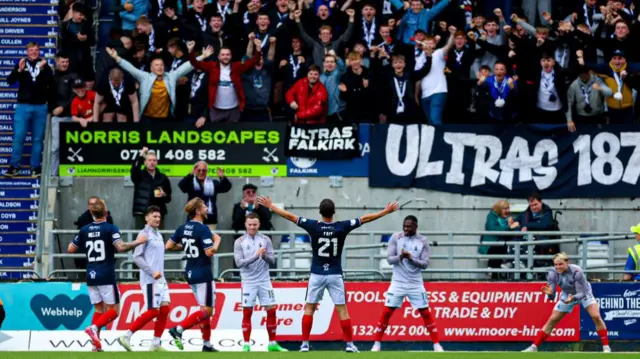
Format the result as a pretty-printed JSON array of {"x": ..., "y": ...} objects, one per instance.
[
  {"x": 241, "y": 149},
  {"x": 464, "y": 311},
  {"x": 508, "y": 161}
]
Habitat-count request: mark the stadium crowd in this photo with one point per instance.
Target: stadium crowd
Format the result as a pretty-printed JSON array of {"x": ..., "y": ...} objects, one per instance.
[{"x": 567, "y": 62}]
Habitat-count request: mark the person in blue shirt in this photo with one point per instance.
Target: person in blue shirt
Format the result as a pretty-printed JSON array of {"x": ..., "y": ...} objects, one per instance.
[
  {"x": 99, "y": 241},
  {"x": 633, "y": 260},
  {"x": 199, "y": 245},
  {"x": 327, "y": 243}
]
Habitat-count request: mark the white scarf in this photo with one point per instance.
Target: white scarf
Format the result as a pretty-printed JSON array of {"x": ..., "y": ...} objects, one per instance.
[
  {"x": 264, "y": 41},
  {"x": 587, "y": 19},
  {"x": 386, "y": 8},
  {"x": 618, "y": 78},
  {"x": 209, "y": 190},
  {"x": 499, "y": 102},
  {"x": 294, "y": 65},
  {"x": 203, "y": 23},
  {"x": 586, "y": 91},
  {"x": 561, "y": 55},
  {"x": 371, "y": 33},
  {"x": 160, "y": 7},
  {"x": 152, "y": 40},
  {"x": 245, "y": 17},
  {"x": 195, "y": 82},
  {"x": 281, "y": 17},
  {"x": 33, "y": 70},
  {"x": 223, "y": 11},
  {"x": 400, "y": 92},
  {"x": 175, "y": 64},
  {"x": 459, "y": 56},
  {"x": 117, "y": 94}
]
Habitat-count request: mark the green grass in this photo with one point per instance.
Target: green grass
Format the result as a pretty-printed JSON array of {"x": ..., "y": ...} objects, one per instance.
[{"x": 316, "y": 355}]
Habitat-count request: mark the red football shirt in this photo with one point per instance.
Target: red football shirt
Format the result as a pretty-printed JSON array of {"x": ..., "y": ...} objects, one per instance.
[{"x": 83, "y": 107}]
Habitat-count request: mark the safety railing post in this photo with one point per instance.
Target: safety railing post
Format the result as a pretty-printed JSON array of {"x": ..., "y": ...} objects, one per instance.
[
  {"x": 374, "y": 251},
  {"x": 530, "y": 256},
  {"x": 585, "y": 252},
  {"x": 216, "y": 266},
  {"x": 517, "y": 260}
]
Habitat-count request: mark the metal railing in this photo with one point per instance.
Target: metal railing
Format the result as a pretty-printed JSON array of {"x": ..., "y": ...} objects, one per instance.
[{"x": 375, "y": 255}]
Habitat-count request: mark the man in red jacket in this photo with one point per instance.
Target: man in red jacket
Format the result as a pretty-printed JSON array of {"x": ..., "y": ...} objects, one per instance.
[
  {"x": 308, "y": 97},
  {"x": 226, "y": 95}
]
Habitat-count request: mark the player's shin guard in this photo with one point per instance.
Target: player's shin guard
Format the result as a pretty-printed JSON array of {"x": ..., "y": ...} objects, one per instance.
[
  {"x": 540, "y": 338},
  {"x": 347, "y": 330},
  {"x": 142, "y": 320},
  {"x": 106, "y": 318},
  {"x": 271, "y": 324},
  {"x": 94, "y": 319},
  {"x": 604, "y": 336},
  {"x": 427, "y": 318},
  {"x": 307, "y": 323},
  {"x": 383, "y": 323},
  {"x": 246, "y": 323},
  {"x": 161, "y": 321},
  {"x": 194, "y": 319}
]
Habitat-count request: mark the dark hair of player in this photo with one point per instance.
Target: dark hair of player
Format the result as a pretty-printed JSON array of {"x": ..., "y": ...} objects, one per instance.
[
  {"x": 252, "y": 216},
  {"x": 193, "y": 206},
  {"x": 98, "y": 209},
  {"x": 411, "y": 218},
  {"x": 152, "y": 209},
  {"x": 327, "y": 208}
]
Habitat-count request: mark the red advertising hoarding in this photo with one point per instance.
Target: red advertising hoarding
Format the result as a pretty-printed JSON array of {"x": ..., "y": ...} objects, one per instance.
[{"x": 464, "y": 311}]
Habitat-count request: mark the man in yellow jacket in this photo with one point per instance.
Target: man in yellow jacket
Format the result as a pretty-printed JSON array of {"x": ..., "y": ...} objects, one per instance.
[
  {"x": 633, "y": 260},
  {"x": 614, "y": 74}
]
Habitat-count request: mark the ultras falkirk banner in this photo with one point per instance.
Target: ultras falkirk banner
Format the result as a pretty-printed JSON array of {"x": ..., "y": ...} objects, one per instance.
[
  {"x": 509, "y": 161},
  {"x": 104, "y": 150}
]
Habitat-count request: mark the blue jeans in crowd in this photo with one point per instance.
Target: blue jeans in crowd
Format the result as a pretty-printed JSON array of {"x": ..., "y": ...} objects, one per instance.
[
  {"x": 433, "y": 107},
  {"x": 27, "y": 117}
]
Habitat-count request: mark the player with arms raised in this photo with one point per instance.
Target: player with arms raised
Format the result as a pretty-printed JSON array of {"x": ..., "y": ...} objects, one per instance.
[
  {"x": 253, "y": 253},
  {"x": 199, "y": 245},
  {"x": 99, "y": 241},
  {"x": 408, "y": 253},
  {"x": 575, "y": 290},
  {"x": 150, "y": 259},
  {"x": 327, "y": 242}
]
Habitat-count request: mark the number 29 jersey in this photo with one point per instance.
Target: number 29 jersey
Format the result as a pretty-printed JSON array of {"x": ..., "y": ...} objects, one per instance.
[
  {"x": 327, "y": 242},
  {"x": 97, "y": 241},
  {"x": 195, "y": 238}
]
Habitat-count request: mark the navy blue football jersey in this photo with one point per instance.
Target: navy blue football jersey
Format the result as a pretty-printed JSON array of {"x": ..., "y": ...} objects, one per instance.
[
  {"x": 327, "y": 241},
  {"x": 97, "y": 241},
  {"x": 195, "y": 238}
]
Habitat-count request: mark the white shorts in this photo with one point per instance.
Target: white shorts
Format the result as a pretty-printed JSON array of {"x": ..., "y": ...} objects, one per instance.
[
  {"x": 561, "y": 306},
  {"x": 263, "y": 292},
  {"x": 155, "y": 294},
  {"x": 334, "y": 283},
  {"x": 395, "y": 296},
  {"x": 109, "y": 294},
  {"x": 205, "y": 293}
]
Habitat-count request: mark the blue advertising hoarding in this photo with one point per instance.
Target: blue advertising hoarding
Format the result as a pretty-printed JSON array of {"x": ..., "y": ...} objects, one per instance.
[
  {"x": 356, "y": 167},
  {"x": 6, "y": 193},
  {"x": 17, "y": 227},
  {"x": 35, "y": 31},
  {"x": 620, "y": 309},
  {"x": 27, "y": 9},
  {"x": 24, "y": 262},
  {"x": 17, "y": 238},
  {"x": 8, "y": 106},
  {"x": 20, "y": 42},
  {"x": 18, "y": 204},
  {"x": 18, "y": 216},
  {"x": 17, "y": 249},
  {"x": 22, "y": 20},
  {"x": 46, "y": 306}
]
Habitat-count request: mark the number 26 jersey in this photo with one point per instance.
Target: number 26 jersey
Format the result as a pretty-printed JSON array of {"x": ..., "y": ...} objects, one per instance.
[
  {"x": 195, "y": 238},
  {"x": 327, "y": 242}
]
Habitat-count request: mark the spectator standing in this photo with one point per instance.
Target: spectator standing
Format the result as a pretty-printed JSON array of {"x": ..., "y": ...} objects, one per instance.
[
  {"x": 118, "y": 99},
  {"x": 60, "y": 107},
  {"x": 498, "y": 220},
  {"x": 82, "y": 104},
  {"x": 334, "y": 69},
  {"x": 551, "y": 93},
  {"x": 354, "y": 89},
  {"x": 199, "y": 184},
  {"x": 434, "y": 85},
  {"x": 322, "y": 47},
  {"x": 154, "y": 36},
  {"x": 248, "y": 205},
  {"x": 198, "y": 109},
  {"x": 308, "y": 97},
  {"x": 418, "y": 18},
  {"x": 132, "y": 10},
  {"x": 157, "y": 88},
  {"x": 152, "y": 187},
  {"x": 77, "y": 38},
  {"x": 35, "y": 87},
  {"x": 226, "y": 95},
  {"x": 257, "y": 85},
  {"x": 177, "y": 49},
  {"x": 633, "y": 259},
  {"x": 586, "y": 99},
  {"x": 499, "y": 95}
]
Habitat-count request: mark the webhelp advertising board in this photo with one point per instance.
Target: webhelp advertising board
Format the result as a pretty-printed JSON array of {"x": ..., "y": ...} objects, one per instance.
[{"x": 470, "y": 311}]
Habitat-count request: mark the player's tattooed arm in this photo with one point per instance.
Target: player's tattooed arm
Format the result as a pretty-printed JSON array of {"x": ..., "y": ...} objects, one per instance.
[
  {"x": 370, "y": 217},
  {"x": 121, "y": 246},
  {"x": 266, "y": 201},
  {"x": 216, "y": 244}
]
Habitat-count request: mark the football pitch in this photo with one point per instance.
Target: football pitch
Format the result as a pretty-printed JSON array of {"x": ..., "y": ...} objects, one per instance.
[{"x": 316, "y": 355}]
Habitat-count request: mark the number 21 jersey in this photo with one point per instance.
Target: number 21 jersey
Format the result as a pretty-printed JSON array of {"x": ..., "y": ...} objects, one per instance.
[
  {"x": 195, "y": 238},
  {"x": 327, "y": 241},
  {"x": 97, "y": 241}
]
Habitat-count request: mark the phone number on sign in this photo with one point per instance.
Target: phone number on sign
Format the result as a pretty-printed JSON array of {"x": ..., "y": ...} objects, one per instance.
[
  {"x": 178, "y": 155},
  {"x": 399, "y": 330}
]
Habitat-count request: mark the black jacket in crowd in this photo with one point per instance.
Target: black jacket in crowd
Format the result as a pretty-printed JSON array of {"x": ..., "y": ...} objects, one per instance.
[
  {"x": 239, "y": 215},
  {"x": 87, "y": 218},
  {"x": 64, "y": 92},
  {"x": 220, "y": 186},
  {"x": 143, "y": 195},
  {"x": 31, "y": 92}
]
